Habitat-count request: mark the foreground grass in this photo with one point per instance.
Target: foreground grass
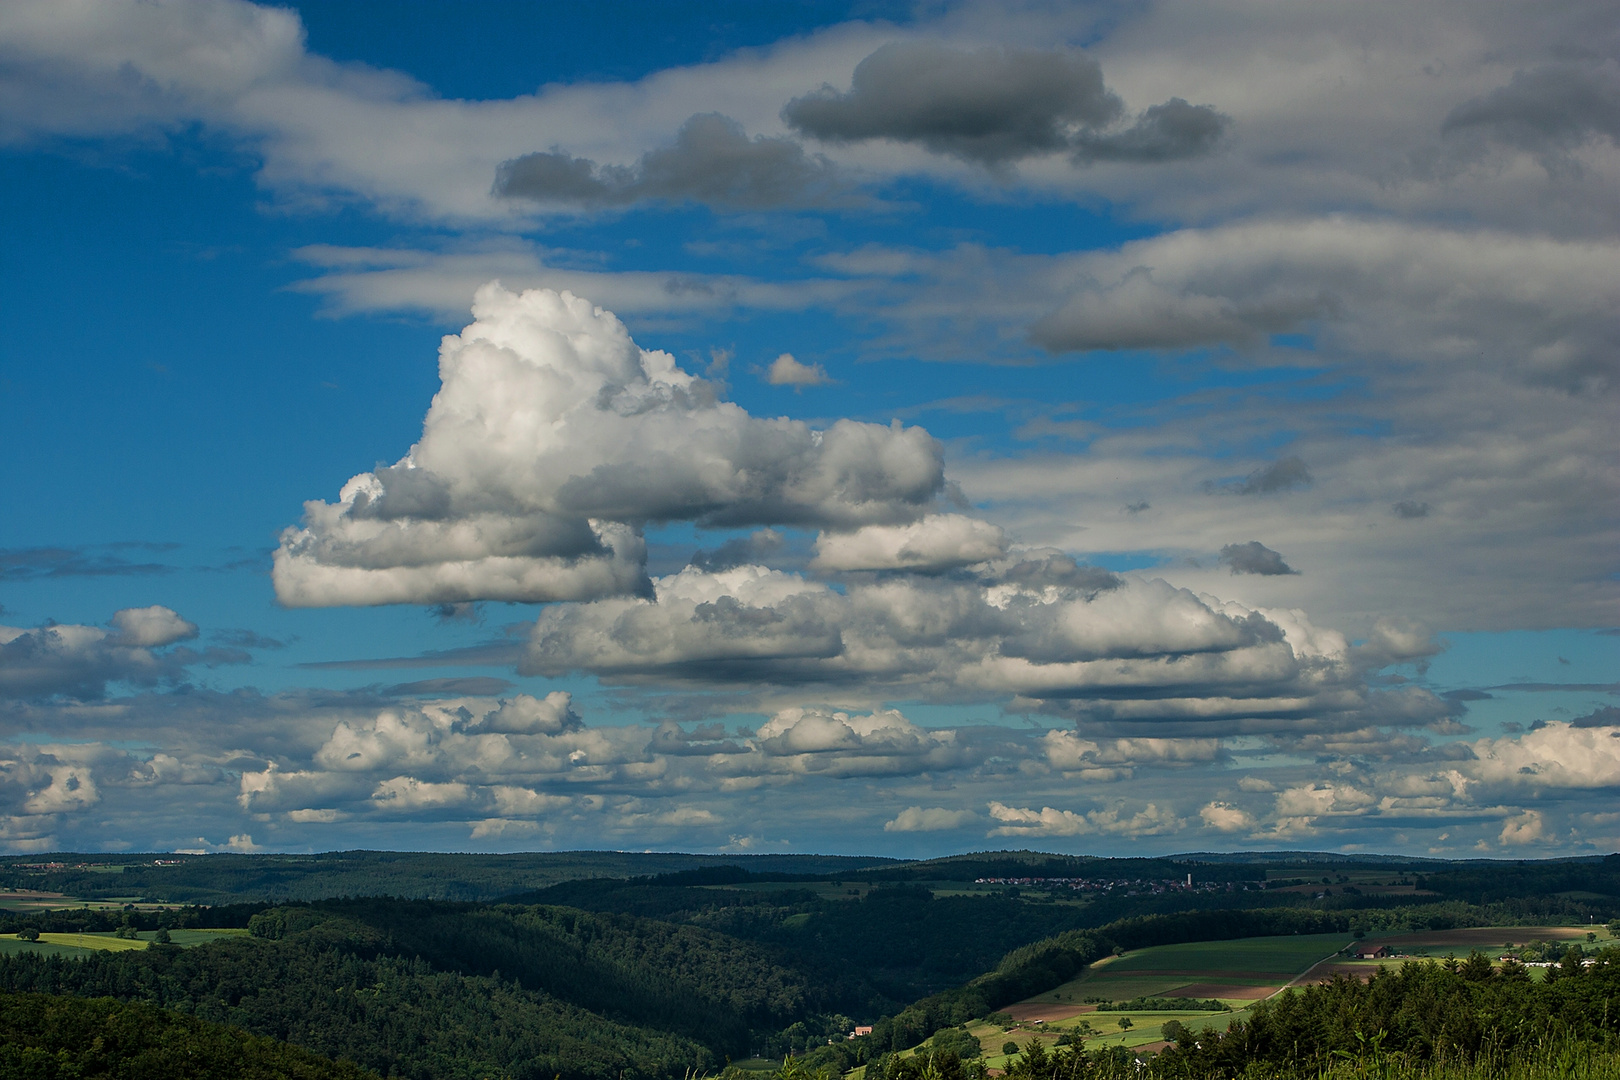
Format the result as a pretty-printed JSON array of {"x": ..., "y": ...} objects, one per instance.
[{"x": 1568, "y": 1061}]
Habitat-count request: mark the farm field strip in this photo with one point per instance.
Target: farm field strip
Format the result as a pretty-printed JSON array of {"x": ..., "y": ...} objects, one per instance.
[
  {"x": 1490, "y": 937},
  {"x": 12, "y": 946},
  {"x": 104, "y": 942},
  {"x": 1218, "y": 969},
  {"x": 85, "y": 943}
]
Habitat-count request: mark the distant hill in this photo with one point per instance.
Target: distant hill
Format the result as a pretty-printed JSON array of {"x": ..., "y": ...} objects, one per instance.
[{"x": 226, "y": 878}]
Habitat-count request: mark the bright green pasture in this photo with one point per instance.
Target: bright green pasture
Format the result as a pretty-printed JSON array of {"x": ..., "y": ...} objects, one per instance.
[
  {"x": 1145, "y": 1028},
  {"x": 1148, "y": 1027},
  {"x": 104, "y": 941},
  {"x": 11, "y": 945}
]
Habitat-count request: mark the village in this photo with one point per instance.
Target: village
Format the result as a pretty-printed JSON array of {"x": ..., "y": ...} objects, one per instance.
[{"x": 1126, "y": 886}]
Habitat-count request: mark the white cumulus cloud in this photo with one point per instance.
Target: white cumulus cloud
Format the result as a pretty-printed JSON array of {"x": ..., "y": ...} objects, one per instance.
[
  {"x": 786, "y": 371},
  {"x": 1151, "y": 820},
  {"x": 1224, "y": 817},
  {"x": 937, "y": 542},
  {"x": 552, "y": 439},
  {"x": 929, "y": 819}
]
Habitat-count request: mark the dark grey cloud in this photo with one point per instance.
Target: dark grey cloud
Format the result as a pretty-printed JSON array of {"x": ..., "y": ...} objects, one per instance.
[
  {"x": 247, "y": 639},
  {"x": 496, "y": 653},
  {"x": 1173, "y": 131},
  {"x": 1060, "y": 571},
  {"x": 31, "y": 564},
  {"x": 1254, "y": 558},
  {"x": 670, "y": 738},
  {"x": 1408, "y": 509},
  {"x": 1280, "y": 475},
  {"x": 757, "y": 547},
  {"x": 80, "y": 661},
  {"x": 1606, "y": 716},
  {"x": 1467, "y": 695},
  {"x": 712, "y": 161},
  {"x": 1560, "y": 687},
  {"x": 990, "y": 105},
  {"x": 468, "y": 686},
  {"x": 1140, "y": 312},
  {"x": 466, "y": 611},
  {"x": 996, "y": 105},
  {"x": 1555, "y": 107}
]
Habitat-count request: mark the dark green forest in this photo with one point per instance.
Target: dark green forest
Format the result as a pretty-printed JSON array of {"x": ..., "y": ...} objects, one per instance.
[
  {"x": 676, "y": 973},
  {"x": 45, "y": 1037},
  {"x": 224, "y": 877}
]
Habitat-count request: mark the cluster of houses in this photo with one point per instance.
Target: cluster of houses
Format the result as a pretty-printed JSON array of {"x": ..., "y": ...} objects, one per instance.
[
  {"x": 1131, "y": 887},
  {"x": 1384, "y": 952}
]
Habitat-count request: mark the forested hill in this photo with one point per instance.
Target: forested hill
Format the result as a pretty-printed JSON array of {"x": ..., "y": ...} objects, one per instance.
[
  {"x": 426, "y": 990},
  {"x": 45, "y": 1037},
  {"x": 584, "y": 994},
  {"x": 1038, "y": 864},
  {"x": 225, "y": 877},
  {"x": 232, "y": 878}
]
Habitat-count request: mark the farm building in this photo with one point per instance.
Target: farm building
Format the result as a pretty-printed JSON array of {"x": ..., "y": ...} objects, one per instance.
[{"x": 1373, "y": 952}]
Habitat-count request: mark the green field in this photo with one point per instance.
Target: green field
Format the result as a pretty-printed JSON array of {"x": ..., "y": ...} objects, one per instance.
[
  {"x": 1145, "y": 1028},
  {"x": 1246, "y": 962},
  {"x": 104, "y": 941},
  {"x": 84, "y": 944},
  {"x": 11, "y": 945}
]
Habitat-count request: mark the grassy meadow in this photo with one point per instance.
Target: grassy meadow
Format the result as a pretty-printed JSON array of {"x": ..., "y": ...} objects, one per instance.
[{"x": 104, "y": 941}]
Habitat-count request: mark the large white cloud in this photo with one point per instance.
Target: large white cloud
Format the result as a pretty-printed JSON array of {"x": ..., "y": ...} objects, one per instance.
[
  {"x": 552, "y": 440},
  {"x": 1150, "y": 820},
  {"x": 1557, "y": 755}
]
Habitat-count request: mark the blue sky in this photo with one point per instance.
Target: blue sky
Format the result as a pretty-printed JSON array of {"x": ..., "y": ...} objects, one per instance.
[{"x": 1090, "y": 427}]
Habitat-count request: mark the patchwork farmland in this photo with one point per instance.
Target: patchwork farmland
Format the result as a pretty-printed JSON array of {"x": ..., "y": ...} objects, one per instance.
[{"x": 1235, "y": 973}]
